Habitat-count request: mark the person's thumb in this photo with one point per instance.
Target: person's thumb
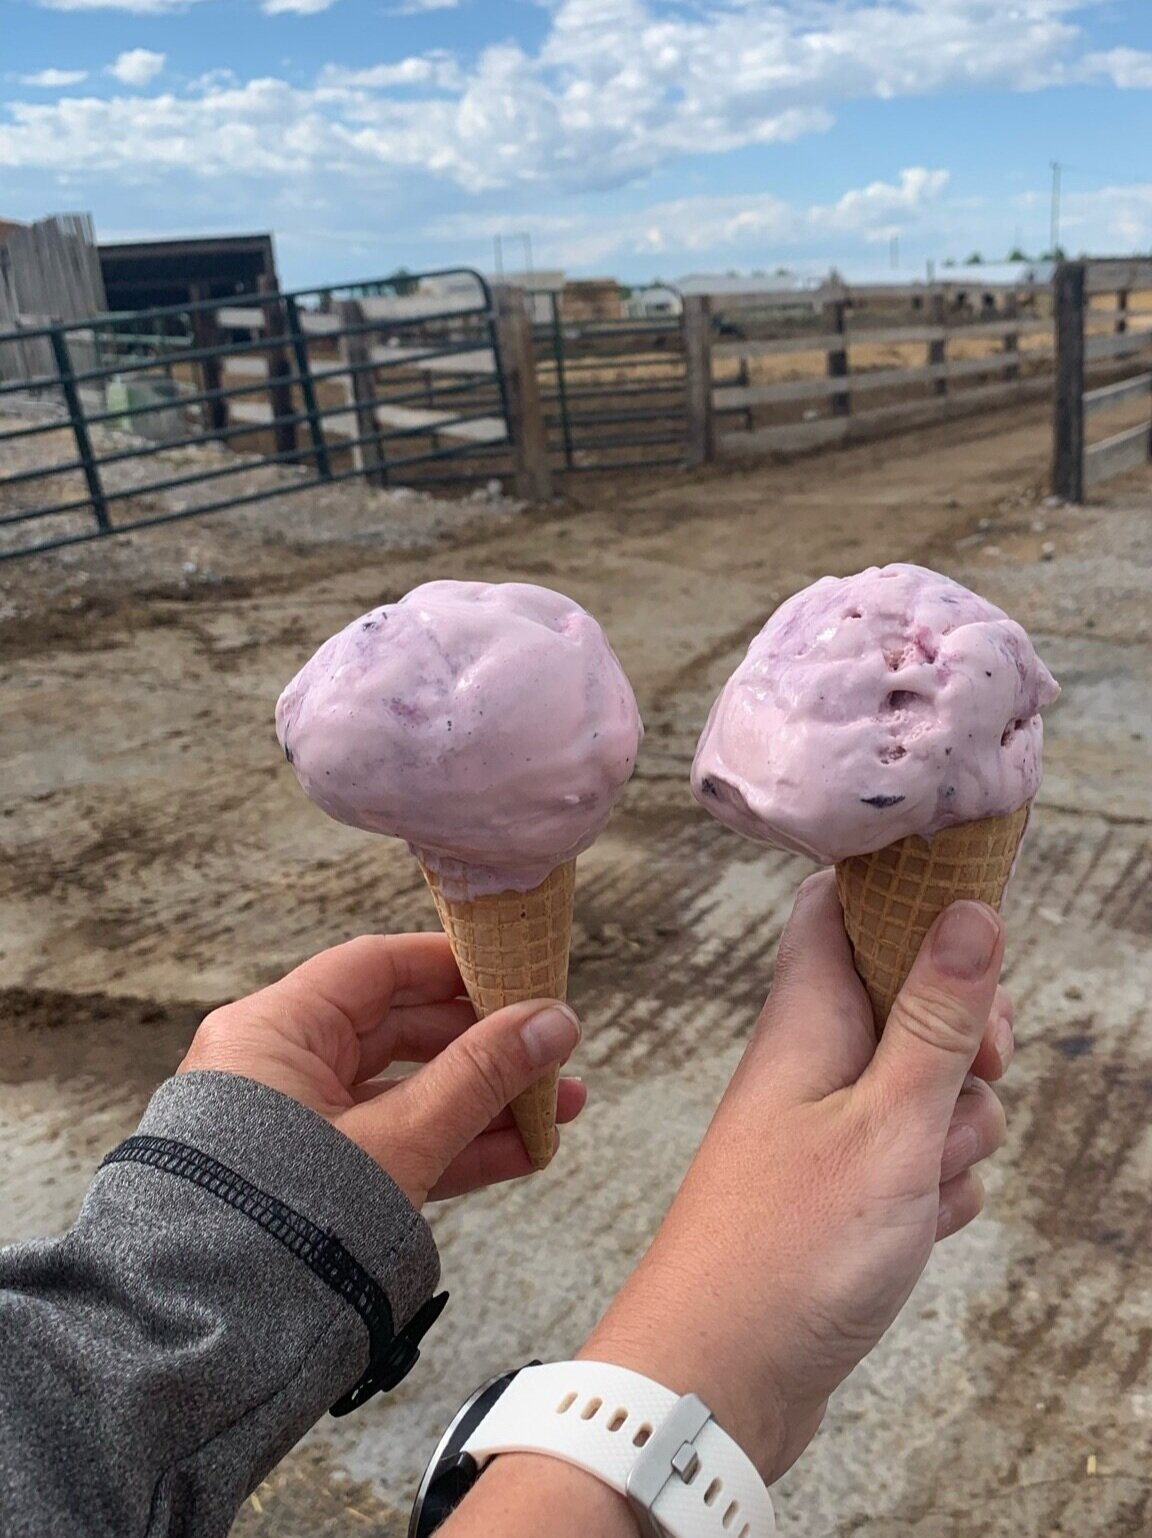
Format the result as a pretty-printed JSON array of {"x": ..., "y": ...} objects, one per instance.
[
  {"x": 433, "y": 1116},
  {"x": 934, "y": 1030}
]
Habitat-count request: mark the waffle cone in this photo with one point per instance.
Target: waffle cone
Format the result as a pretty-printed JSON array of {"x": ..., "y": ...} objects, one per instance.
[
  {"x": 891, "y": 897},
  {"x": 510, "y": 947}
]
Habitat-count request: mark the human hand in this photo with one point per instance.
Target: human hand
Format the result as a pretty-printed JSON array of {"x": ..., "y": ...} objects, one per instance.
[
  {"x": 325, "y": 1033},
  {"x": 832, "y": 1166}
]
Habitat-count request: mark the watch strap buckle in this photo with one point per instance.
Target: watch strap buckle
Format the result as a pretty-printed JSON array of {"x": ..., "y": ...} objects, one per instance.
[{"x": 670, "y": 1453}]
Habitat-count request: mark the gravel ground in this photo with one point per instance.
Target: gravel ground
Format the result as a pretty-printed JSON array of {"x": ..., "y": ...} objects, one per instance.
[{"x": 221, "y": 548}]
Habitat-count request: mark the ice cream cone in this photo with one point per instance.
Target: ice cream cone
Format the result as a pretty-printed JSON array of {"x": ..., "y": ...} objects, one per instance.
[
  {"x": 891, "y": 897},
  {"x": 510, "y": 947}
]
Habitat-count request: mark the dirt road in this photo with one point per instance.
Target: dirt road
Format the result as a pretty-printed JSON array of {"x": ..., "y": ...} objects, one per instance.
[{"x": 159, "y": 857}]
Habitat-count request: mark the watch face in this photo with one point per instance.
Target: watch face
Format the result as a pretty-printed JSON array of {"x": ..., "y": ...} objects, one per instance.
[{"x": 451, "y": 1473}]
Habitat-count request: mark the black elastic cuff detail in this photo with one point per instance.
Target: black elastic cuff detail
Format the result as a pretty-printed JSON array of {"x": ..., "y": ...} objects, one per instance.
[{"x": 392, "y": 1355}]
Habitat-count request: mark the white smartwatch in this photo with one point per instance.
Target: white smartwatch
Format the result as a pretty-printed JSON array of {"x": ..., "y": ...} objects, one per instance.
[{"x": 683, "y": 1476}]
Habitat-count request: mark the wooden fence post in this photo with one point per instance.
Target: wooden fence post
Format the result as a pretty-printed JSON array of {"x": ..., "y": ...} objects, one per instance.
[
  {"x": 837, "y": 357},
  {"x": 1011, "y": 338},
  {"x": 516, "y": 355},
  {"x": 938, "y": 350},
  {"x": 355, "y": 354},
  {"x": 1068, "y": 416},
  {"x": 697, "y": 320},
  {"x": 1122, "y": 308},
  {"x": 279, "y": 366},
  {"x": 205, "y": 334}
]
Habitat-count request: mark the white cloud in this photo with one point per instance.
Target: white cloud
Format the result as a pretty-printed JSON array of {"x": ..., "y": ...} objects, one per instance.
[
  {"x": 137, "y": 66},
  {"x": 295, "y": 7},
  {"x": 415, "y": 7},
  {"x": 54, "y": 79},
  {"x": 1130, "y": 69},
  {"x": 617, "y": 90},
  {"x": 727, "y": 223},
  {"x": 879, "y": 211},
  {"x": 1107, "y": 220},
  {"x": 438, "y": 69},
  {"x": 137, "y": 7}
]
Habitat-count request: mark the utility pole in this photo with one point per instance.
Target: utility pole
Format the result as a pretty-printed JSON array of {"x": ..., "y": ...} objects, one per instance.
[
  {"x": 1054, "y": 233},
  {"x": 499, "y": 256}
]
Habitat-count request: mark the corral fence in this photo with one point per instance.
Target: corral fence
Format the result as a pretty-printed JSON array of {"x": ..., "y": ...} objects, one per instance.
[
  {"x": 1077, "y": 464},
  {"x": 857, "y": 365},
  {"x": 390, "y": 386},
  {"x": 434, "y": 378}
]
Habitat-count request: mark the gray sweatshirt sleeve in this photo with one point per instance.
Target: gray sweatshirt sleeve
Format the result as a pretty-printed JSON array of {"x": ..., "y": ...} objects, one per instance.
[{"x": 236, "y": 1268}]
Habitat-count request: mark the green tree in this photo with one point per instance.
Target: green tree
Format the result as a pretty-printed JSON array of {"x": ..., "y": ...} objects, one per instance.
[
  {"x": 1016, "y": 255},
  {"x": 974, "y": 260}
]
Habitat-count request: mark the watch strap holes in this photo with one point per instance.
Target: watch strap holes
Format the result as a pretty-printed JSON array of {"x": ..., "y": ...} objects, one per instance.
[
  {"x": 590, "y": 1409},
  {"x": 713, "y": 1491},
  {"x": 642, "y": 1434},
  {"x": 617, "y": 1420},
  {"x": 565, "y": 1404},
  {"x": 732, "y": 1511}
]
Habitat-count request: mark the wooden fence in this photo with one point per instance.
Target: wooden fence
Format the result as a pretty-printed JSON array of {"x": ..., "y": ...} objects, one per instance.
[
  {"x": 48, "y": 271},
  {"x": 1078, "y": 465},
  {"x": 854, "y": 374}
]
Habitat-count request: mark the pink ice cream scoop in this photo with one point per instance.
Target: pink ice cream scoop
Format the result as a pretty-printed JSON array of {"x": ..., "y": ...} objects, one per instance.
[
  {"x": 490, "y": 726},
  {"x": 872, "y": 707}
]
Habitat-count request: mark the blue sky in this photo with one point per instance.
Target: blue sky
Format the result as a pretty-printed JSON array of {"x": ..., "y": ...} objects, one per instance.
[{"x": 639, "y": 137}]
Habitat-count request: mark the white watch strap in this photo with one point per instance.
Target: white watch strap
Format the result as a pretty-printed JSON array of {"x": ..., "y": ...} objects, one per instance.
[{"x": 610, "y": 1421}]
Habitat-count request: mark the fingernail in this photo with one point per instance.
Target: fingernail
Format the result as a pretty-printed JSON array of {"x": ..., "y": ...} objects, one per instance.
[
  {"x": 550, "y": 1036},
  {"x": 1003, "y": 1040},
  {"x": 965, "y": 941}
]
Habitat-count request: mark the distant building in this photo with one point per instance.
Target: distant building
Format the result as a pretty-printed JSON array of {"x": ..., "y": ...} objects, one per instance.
[
  {"x": 780, "y": 293},
  {"x": 147, "y": 274},
  {"x": 653, "y": 302}
]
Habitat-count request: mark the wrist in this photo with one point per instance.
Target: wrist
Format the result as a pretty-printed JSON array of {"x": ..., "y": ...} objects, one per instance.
[
  {"x": 682, "y": 1355},
  {"x": 517, "y": 1487}
]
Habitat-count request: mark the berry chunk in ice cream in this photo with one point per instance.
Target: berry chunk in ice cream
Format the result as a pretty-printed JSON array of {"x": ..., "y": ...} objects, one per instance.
[{"x": 872, "y": 707}]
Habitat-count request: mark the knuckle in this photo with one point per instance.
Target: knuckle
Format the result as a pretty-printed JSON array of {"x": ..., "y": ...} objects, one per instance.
[
  {"x": 485, "y": 1072},
  {"x": 995, "y": 1125},
  {"x": 212, "y": 1043},
  {"x": 1004, "y": 1006},
  {"x": 938, "y": 1020}
]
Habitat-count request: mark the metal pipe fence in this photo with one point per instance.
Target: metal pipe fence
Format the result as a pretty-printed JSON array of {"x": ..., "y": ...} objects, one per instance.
[{"x": 406, "y": 382}]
